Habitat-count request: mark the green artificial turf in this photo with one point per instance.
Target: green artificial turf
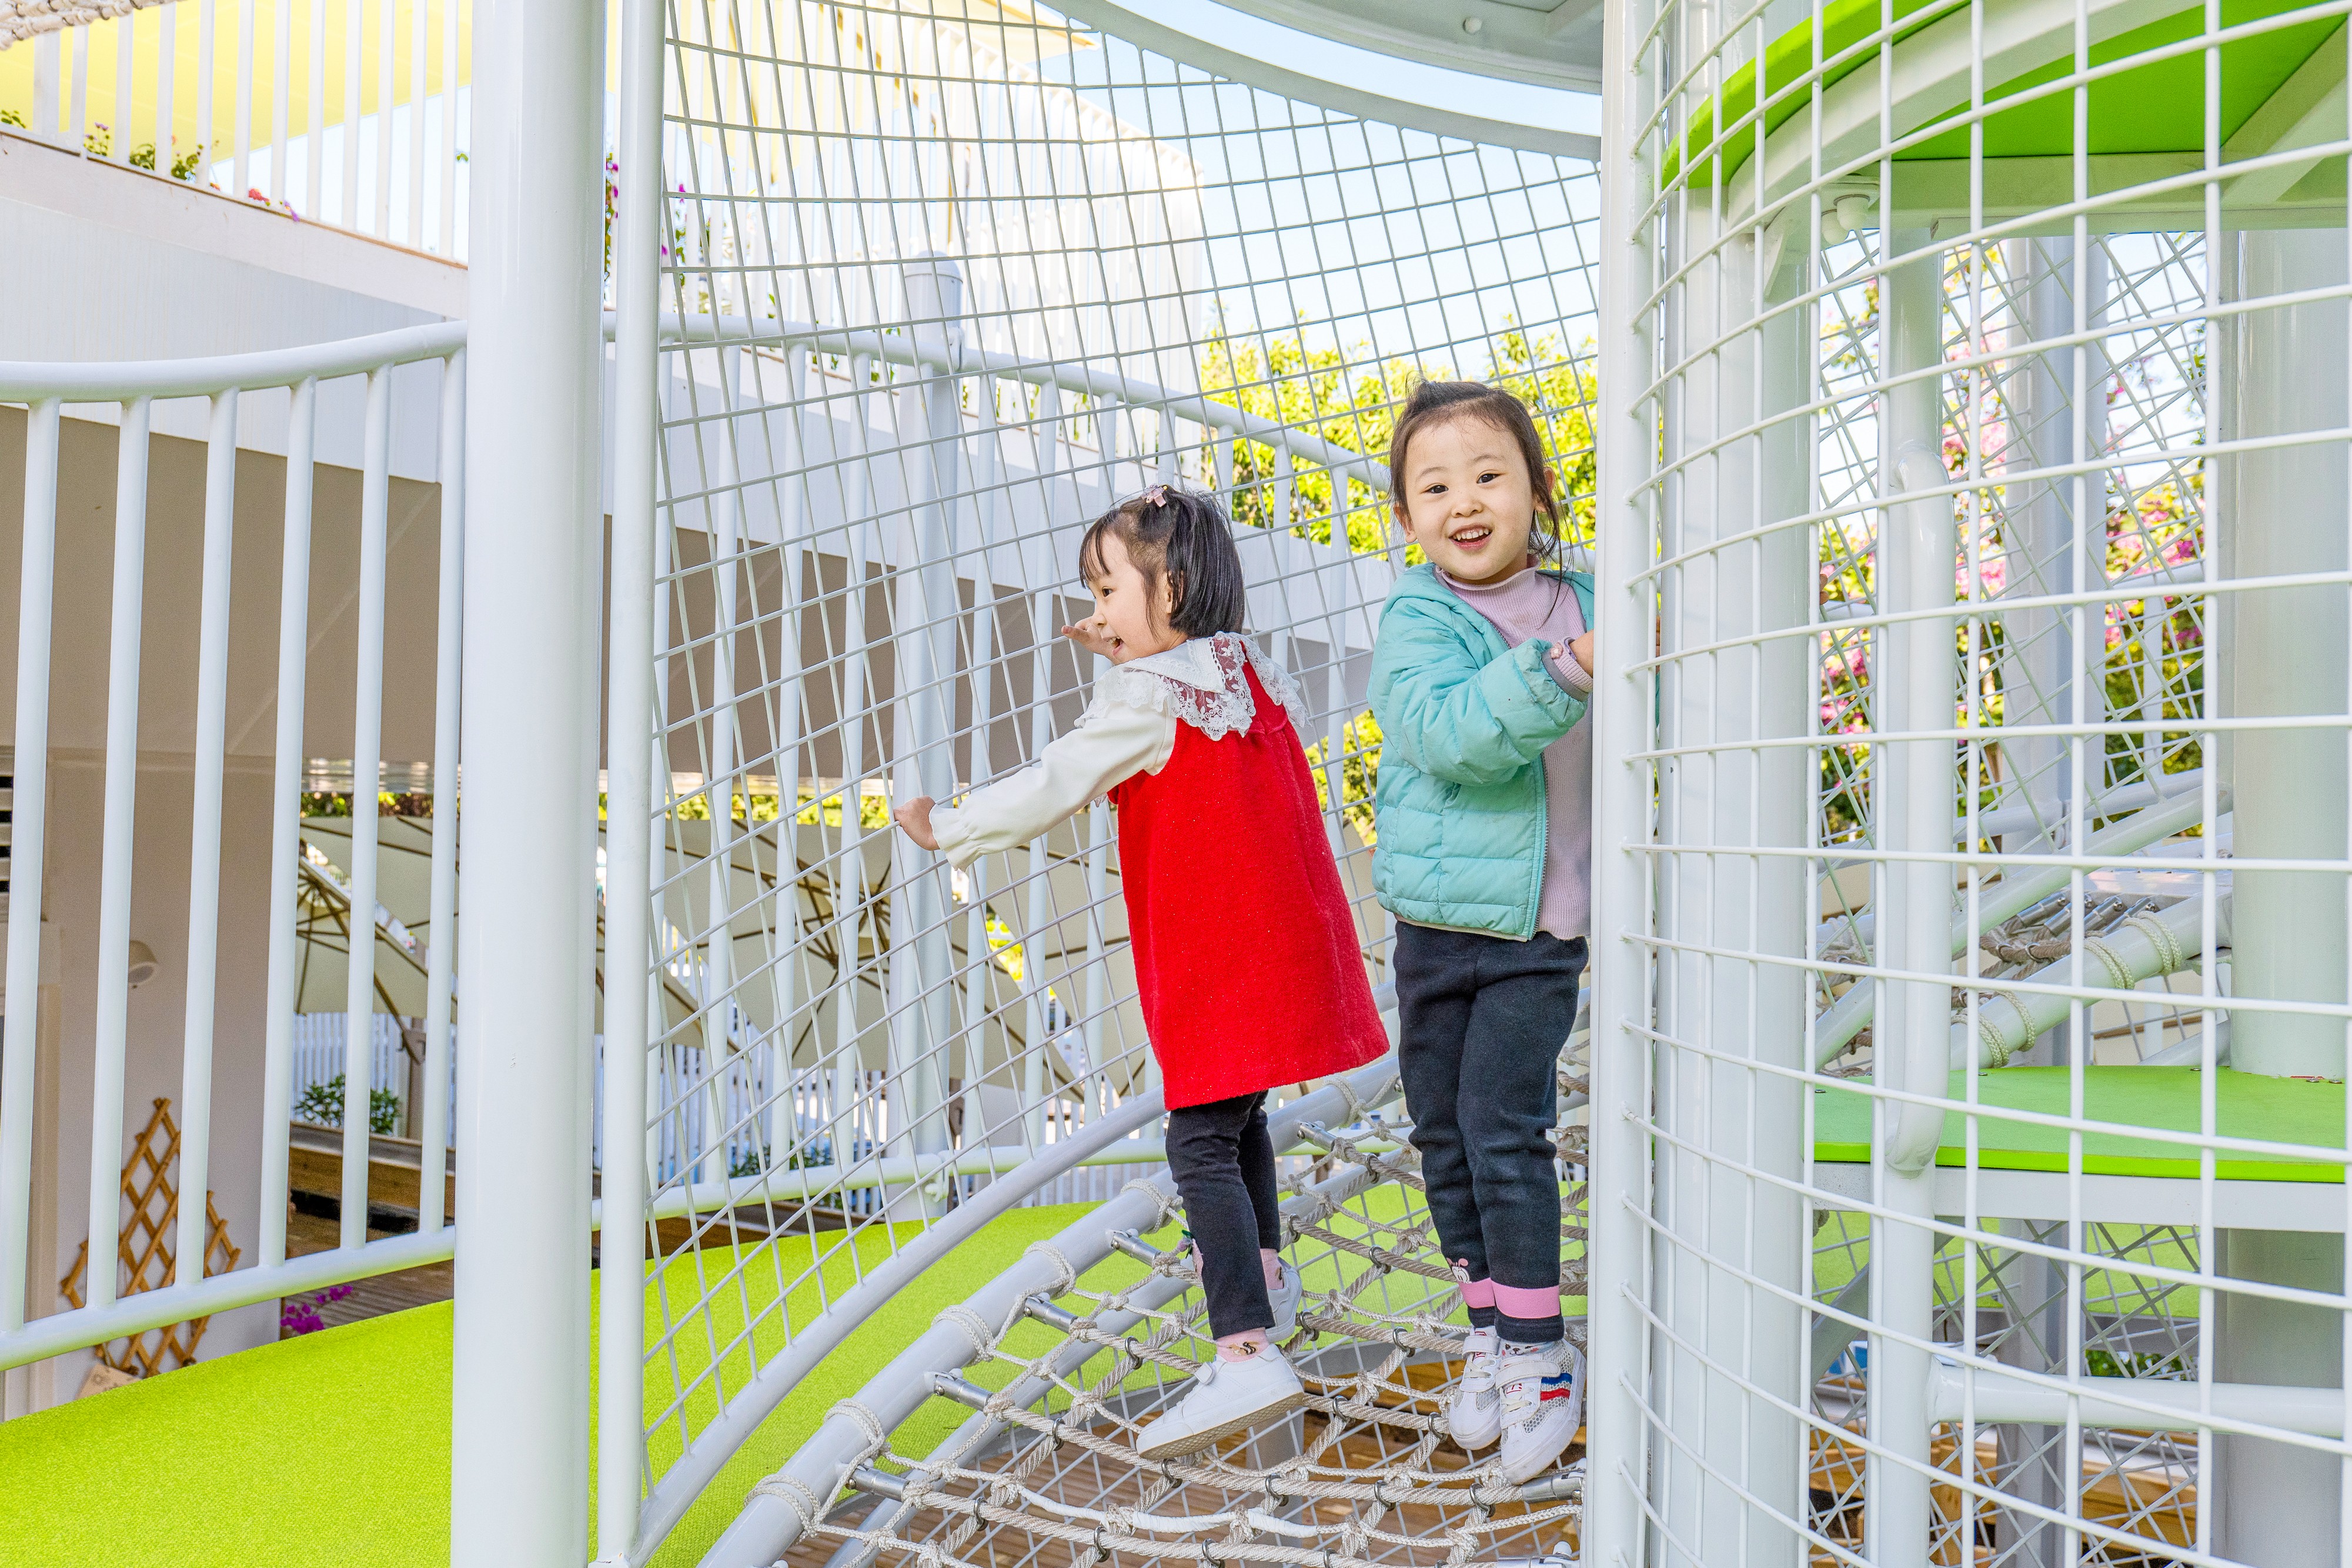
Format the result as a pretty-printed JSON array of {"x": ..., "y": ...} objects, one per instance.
[
  {"x": 2247, "y": 1105},
  {"x": 333, "y": 1448}
]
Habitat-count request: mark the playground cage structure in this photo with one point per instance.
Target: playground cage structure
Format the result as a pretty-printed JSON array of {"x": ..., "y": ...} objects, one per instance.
[{"x": 1952, "y": 399}]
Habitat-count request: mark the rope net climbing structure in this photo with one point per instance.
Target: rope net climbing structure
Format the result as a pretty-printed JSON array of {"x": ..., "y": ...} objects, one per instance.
[
  {"x": 1098, "y": 1331},
  {"x": 914, "y": 291}
]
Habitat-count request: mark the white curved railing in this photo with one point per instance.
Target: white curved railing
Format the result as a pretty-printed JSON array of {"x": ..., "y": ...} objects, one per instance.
[
  {"x": 231, "y": 386},
  {"x": 229, "y": 383}
]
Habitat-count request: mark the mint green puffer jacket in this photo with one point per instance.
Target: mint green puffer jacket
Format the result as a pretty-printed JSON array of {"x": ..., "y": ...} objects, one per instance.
[{"x": 1464, "y": 722}]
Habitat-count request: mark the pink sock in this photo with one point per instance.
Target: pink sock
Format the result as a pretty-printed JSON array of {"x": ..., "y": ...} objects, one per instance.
[
  {"x": 1272, "y": 1262},
  {"x": 1242, "y": 1345}
]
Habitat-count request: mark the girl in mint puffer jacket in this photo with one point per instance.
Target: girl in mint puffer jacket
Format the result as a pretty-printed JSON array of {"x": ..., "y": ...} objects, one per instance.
[{"x": 1480, "y": 682}]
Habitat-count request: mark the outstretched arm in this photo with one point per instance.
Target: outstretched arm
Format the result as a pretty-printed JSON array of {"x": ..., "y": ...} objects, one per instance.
[{"x": 1114, "y": 742}]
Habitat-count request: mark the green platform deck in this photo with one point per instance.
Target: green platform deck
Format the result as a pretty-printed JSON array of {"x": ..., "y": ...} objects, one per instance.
[{"x": 2274, "y": 1110}]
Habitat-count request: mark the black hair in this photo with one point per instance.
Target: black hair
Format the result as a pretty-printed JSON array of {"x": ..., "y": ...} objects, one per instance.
[
  {"x": 1436, "y": 402},
  {"x": 1182, "y": 537}
]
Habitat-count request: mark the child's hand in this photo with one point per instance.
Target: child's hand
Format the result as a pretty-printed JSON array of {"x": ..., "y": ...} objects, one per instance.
[
  {"x": 1580, "y": 650},
  {"x": 915, "y": 817},
  {"x": 1091, "y": 635}
]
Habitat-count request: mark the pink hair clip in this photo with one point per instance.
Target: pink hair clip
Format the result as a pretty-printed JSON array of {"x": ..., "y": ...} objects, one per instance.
[{"x": 1156, "y": 496}]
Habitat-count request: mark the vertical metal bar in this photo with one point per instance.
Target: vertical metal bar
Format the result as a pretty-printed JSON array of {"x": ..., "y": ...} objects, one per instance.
[
  {"x": 282, "y": 88},
  {"x": 78, "y": 115},
  {"x": 126, "y": 32},
  {"x": 519, "y": 1456},
  {"x": 205, "y": 837},
  {"x": 447, "y": 667},
  {"x": 48, "y": 64},
  {"x": 451, "y": 46},
  {"x": 924, "y": 616},
  {"x": 112, "y": 1023},
  {"x": 286, "y": 818},
  {"x": 1914, "y": 813},
  {"x": 419, "y": 13},
  {"x": 29, "y": 820},
  {"x": 1623, "y": 613},
  {"x": 784, "y": 963},
  {"x": 314, "y": 89},
  {"x": 387, "y": 49},
  {"x": 167, "y": 65},
  {"x": 723, "y": 511},
  {"x": 207, "y": 35},
  {"x": 243, "y": 172},
  {"x": 629, "y": 783},
  {"x": 354, "y": 36},
  {"x": 367, "y": 780}
]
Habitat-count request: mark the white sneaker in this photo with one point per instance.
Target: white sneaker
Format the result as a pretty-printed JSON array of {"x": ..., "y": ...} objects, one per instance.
[
  {"x": 1285, "y": 1298},
  {"x": 1226, "y": 1398},
  {"x": 1543, "y": 1405},
  {"x": 1474, "y": 1414}
]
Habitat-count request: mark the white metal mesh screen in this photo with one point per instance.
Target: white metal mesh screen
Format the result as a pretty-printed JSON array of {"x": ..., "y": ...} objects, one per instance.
[
  {"x": 941, "y": 284},
  {"x": 1993, "y": 898}
]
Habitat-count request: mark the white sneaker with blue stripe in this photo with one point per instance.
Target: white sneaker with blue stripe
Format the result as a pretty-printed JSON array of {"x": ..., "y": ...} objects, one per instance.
[{"x": 1543, "y": 1405}]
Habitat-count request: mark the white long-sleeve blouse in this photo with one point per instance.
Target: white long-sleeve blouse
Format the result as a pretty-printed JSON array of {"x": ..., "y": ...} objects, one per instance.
[{"x": 1128, "y": 727}]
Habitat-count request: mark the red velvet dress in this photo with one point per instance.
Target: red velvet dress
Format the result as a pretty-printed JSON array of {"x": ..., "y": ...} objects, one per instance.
[{"x": 1245, "y": 953}]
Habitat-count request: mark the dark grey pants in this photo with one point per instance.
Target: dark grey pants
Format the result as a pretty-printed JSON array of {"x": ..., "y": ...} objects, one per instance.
[
  {"x": 1223, "y": 1164},
  {"x": 1483, "y": 1018}
]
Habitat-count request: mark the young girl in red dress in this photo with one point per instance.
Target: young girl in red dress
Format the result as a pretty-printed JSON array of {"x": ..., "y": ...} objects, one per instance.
[{"x": 1245, "y": 953}]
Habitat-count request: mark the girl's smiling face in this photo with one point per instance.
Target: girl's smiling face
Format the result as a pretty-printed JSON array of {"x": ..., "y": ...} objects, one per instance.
[
  {"x": 1470, "y": 502},
  {"x": 1130, "y": 618}
]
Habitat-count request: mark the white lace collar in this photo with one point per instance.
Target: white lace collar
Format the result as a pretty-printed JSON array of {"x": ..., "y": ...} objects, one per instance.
[{"x": 1200, "y": 681}]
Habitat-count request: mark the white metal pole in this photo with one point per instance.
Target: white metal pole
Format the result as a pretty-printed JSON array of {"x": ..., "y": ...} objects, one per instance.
[
  {"x": 629, "y": 783},
  {"x": 205, "y": 856},
  {"x": 924, "y": 616},
  {"x": 1914, "y": 798},
  {"x": 21, "y": 1025},
  {"x": 120, "y": 841},
  {"x": 441, "y": 959},
  {"x": 286, "y": 820},
  {"x": 2281, "y": 653},
  {"x": 1617, "y": 1437},
  {"x": 520, "y": 1453},
  {"x": 367, "y": 780}
]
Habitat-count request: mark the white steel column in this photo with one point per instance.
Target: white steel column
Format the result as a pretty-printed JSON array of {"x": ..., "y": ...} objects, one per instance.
[
  {"x": 2282, "y": 652},
  {"x": 629, "y": 847},
  {"x": 1617, "y": 1437},
  {"x": 1914, "y": 791},
  {"x": 2282, "y": 649},
  {"x": 1729, "y": 1119},
  {"x": 924, "y": 614},
  {"x": 519, "y": 1458}
]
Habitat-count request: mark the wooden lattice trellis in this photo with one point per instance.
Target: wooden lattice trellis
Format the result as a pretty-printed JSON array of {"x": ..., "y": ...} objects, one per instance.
[{"x": 144, "y": 1251}]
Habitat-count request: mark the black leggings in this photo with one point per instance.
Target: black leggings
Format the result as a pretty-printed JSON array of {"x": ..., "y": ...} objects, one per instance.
[
  {"x": 1483, "y": 1020},
  {"x": 1223, "y": 1164}
]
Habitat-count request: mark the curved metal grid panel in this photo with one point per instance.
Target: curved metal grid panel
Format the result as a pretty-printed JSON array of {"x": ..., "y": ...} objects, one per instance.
[
  {"x": 1981, "y": 989},
  {"x": 938, "y": 285}
]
